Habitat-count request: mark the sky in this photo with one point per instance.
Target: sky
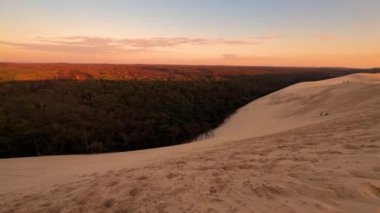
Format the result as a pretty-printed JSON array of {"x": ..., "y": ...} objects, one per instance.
[{"x": 334, "y": 33}]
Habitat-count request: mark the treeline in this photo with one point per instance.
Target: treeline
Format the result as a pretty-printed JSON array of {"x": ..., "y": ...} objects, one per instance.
[
  {"x": 69, "y": 117},
  {"x": 63, "y": 71}
]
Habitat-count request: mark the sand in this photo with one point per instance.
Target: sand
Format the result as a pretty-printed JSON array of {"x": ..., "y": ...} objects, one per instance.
[{"x": 311, "y": 147}]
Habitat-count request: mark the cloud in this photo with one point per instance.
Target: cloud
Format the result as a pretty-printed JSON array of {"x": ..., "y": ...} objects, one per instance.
[
  {"x": 79, "y": 40},
  {"x": 93, "y": 45},
  {"x": 327, "y": 37},
  {"x": 148, "y": 42},
  {"x": 73, "y": 47}
]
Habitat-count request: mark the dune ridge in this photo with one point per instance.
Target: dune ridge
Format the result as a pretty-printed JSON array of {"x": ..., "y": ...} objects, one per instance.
[{"x": 313, "y": 146}]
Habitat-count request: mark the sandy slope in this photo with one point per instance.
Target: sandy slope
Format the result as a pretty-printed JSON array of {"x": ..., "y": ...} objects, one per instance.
[{"x": 277, "y": 154}]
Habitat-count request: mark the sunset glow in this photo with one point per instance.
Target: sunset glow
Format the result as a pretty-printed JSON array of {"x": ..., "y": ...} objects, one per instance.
[{"x": 342, "y": 33}]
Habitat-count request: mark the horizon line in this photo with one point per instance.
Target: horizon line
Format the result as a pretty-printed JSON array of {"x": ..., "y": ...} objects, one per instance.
[{"x": 194, "y": 65}]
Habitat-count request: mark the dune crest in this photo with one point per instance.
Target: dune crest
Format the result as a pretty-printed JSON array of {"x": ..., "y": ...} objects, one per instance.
[
  {"x": 313, "y": 146},
  {"x": 299, "y": 105}
]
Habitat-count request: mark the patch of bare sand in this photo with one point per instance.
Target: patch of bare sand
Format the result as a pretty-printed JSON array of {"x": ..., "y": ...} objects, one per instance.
[{"x": 277, "y": 154}]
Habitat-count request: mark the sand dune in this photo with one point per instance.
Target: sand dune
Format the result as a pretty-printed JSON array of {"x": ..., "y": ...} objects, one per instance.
[{"x": 311, "y": 147}]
